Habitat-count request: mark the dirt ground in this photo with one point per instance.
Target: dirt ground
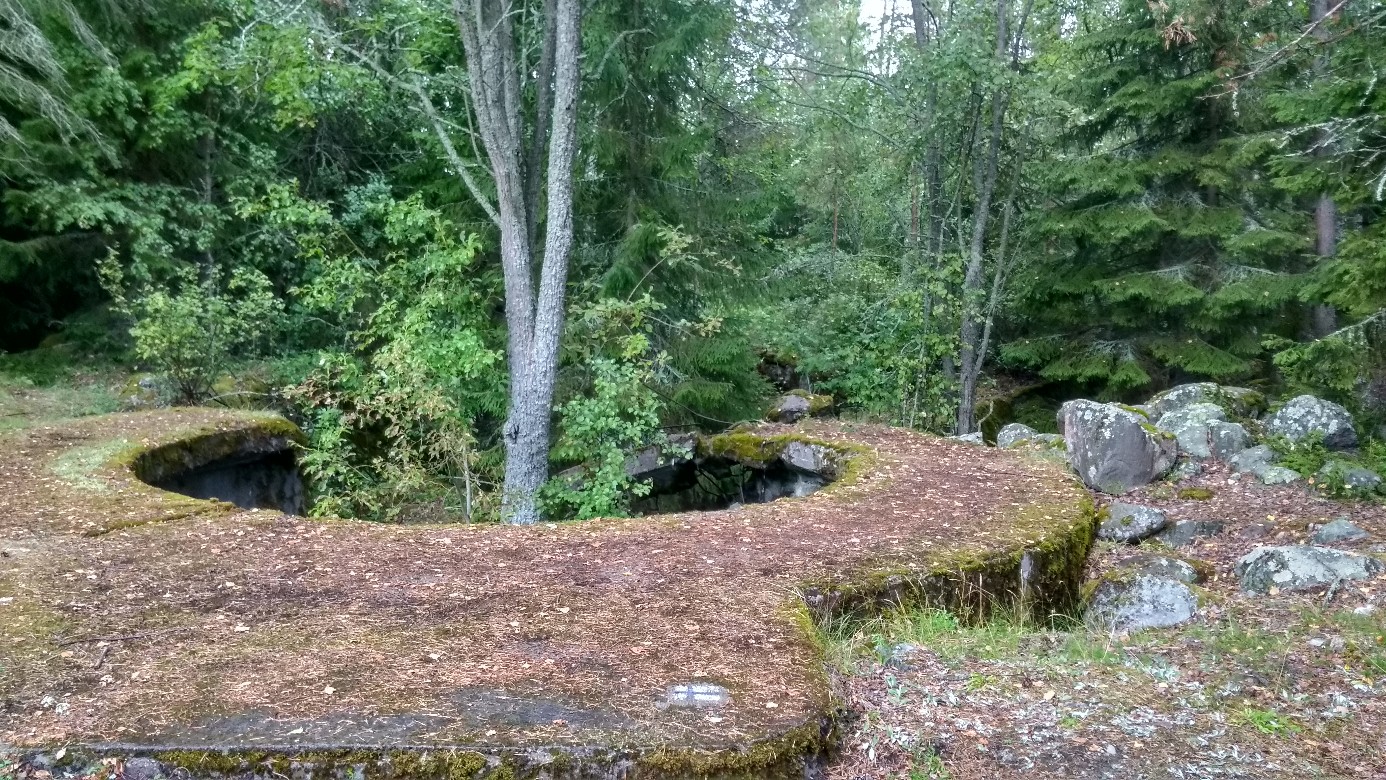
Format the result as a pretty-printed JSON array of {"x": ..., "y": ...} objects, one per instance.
[
  {"x": 1256, "y": 686},
  {"x": 134, "y": 615}
]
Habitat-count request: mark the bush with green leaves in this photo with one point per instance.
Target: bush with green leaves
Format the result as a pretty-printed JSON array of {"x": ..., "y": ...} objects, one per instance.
[
  {"x": 198, "y": 325},
  {"x": 615, "y": 414},
  {"x": 392, "y": 406}
]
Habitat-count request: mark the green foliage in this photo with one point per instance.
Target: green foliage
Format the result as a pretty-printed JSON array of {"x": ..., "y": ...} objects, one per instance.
[
  {"x": 618, "y": 413},
  {"x": 1167, "y": 238},
  {"x": 194, "y": 329},
  {"x": 1306, "y": 455},
  {"x": 1269, "y": 722},
  {"x": 393, "y": 406},
  {"x": 863, "y": 337}
]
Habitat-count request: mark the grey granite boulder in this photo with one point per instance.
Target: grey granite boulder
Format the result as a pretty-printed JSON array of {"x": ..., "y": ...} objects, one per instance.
[
  {"x": 1340, "y": 530},
  {"x": 1252, "y": 459},
  {"x": 1259, "y": 461},
  {"x": 790, "y": 409},
  {"x": 1132, "y": 602},
  {"x": 1130, "y": 523},
  {"x": 1305, "y": 415},
  {"x": 810, "y": 458},
  {"x": 1202, "y": 431},
  {"x": 1236, "y": 400},
  {"x": 1301, "y": 567},
  {"x": 1350, "y": 476},
  {"x": 1114, "y": 450},
  {"x": 1014, "y": 434},
  {"x": 969, "y": 438},
  {"x": 1189, "y": 531}
]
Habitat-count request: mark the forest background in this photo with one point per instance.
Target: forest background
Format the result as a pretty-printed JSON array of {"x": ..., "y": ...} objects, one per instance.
[{"x": 470, "y": 245}]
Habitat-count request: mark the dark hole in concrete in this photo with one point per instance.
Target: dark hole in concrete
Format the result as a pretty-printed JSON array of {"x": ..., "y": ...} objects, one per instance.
[
  {"x": 720, "y": 483},
  {"x": 266, "y": 480}
]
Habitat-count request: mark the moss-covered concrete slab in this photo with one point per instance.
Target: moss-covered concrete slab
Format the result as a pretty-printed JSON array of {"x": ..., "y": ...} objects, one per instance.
[{"x": 136, "y": 621}]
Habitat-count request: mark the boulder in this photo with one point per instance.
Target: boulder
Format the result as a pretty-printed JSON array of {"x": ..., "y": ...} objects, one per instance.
[
  {"x": 810, "y": 459},
  {"x": 1350, "y": 476},
  {"x": 1135, "y": 601},
  {"x": 790, "y": 409},
  {"x": 1202, "y": 431},
  {"x": 1239, "y": 401},
  {"x": 1014, "y": 434},
  {"x": 1112, "y": 449},
  {"x": 1302, "y": 567},
  {"x": 1340, "y": 530},
  {"x": 1186, "y": 469},
  {"x": 1258, "y": 461},
  {"x": 1306, "y": 415},
  {"x": 1252, "y": 459},
  {"x": 144, "y": 391},
  {"x": 1130, "y": 523},
  {"x": 1189, "y": 531},
  {"x": 969, "y": 438}
]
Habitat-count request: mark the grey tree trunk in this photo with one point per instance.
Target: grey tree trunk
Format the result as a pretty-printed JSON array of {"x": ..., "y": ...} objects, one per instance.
[
  {"x": 1324, "y": 317},
  {"x": 534, "y": 318},
  {"x": 984, "y": 182}
]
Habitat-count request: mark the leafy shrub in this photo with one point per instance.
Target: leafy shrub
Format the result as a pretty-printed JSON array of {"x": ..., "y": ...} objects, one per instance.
[
  {"x": 618, "y": 413},
  {"x": 195, "y": 328},
  {"x": 392, "y": 409}
]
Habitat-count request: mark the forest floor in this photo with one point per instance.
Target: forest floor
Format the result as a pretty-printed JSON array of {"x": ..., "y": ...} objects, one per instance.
[
  {"x": 1256, "y": 686},
  {"x": 129, "y": 614},
  {"x": 1281, "y": 686}
]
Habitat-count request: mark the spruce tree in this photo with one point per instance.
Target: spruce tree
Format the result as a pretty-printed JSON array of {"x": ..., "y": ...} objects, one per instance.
[{"x": 1168, "y": 254}]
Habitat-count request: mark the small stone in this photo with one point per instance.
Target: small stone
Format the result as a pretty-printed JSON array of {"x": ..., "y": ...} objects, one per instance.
[
  {"x": 897, "y": 656},
  {"x": 1186, "y": 469},
  {"x": 1189, "y": 531},
  {"x": 1169, "y": 568},
  {"x": 970, "y": 438},
  {"x": 1340, "y": 530},
  {"x": 790, "y": 409},
  {"x": 696, "y": 695},
  {"x": 1365, "y": 610},
  {"x": 1278, "y": 475},
  {"x": 143, "y": 769},
  {"x": 1130, "y": 523},
  {"x": 1252, "y": 459},
  {"x": 1352, "y": 477}
]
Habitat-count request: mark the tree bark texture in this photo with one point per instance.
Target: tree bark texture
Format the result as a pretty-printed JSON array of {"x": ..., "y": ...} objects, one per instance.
[{"x": 534, "y": 308}]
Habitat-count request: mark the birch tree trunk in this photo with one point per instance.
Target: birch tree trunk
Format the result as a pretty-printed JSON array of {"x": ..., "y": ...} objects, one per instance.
[{"x": 534, "y": 315}]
